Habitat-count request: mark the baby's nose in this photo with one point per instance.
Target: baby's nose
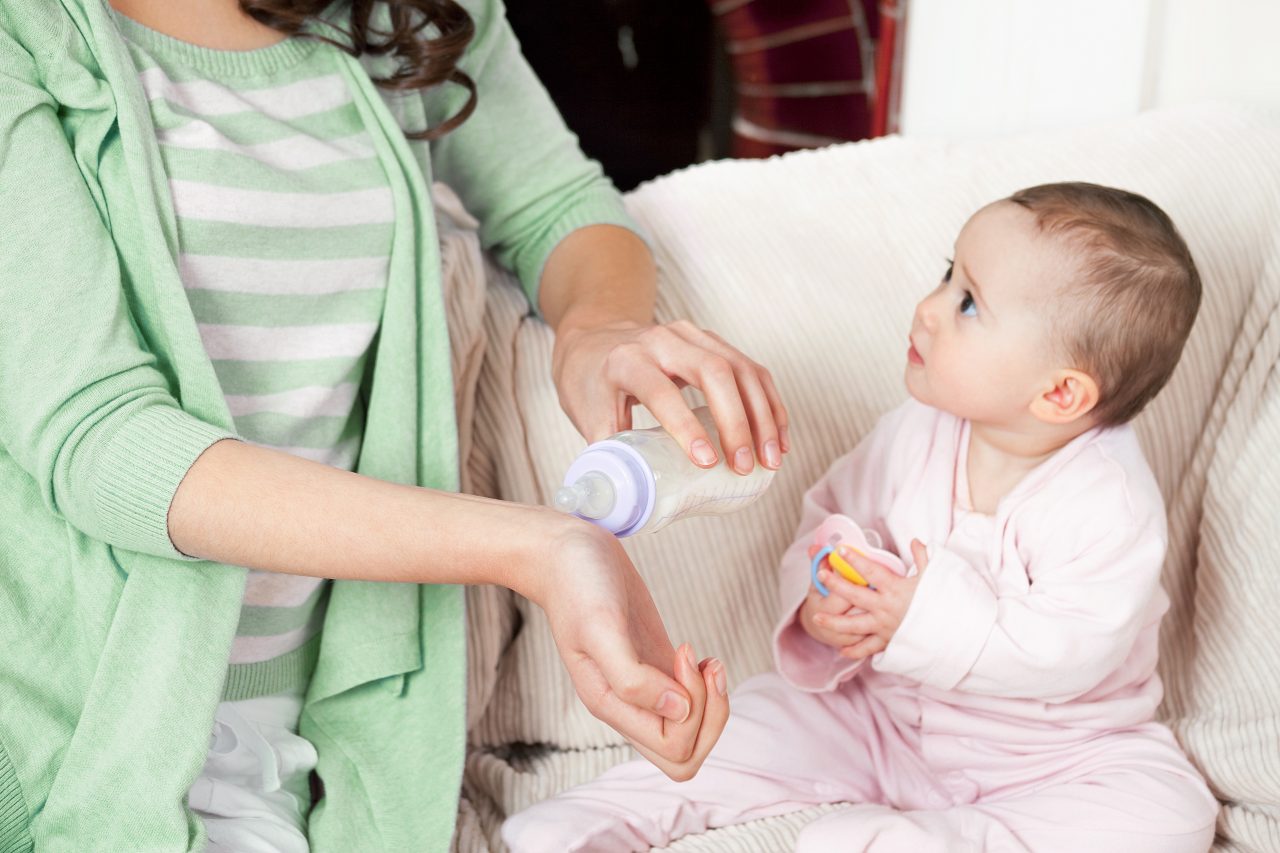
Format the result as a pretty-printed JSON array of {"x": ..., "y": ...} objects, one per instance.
[{"x": 925, "y": 317}]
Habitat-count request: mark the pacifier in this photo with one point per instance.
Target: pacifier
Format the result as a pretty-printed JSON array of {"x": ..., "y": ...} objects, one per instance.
[{"x": 838, "y": 531}]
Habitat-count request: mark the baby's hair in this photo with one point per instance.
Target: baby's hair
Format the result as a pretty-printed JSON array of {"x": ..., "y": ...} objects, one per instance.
[{"x": 1139, "y": 293}]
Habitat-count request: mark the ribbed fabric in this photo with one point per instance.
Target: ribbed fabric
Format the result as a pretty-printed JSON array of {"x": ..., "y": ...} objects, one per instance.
[
  {"x": 135, "y": 510},
  {"x": 13, "y": 810},
  {"x": 1227, "y": 690},
  {"x": 266, "y": 61},
  {"x": 264, "y": 679},
  {"x": 812, "y": 264}
]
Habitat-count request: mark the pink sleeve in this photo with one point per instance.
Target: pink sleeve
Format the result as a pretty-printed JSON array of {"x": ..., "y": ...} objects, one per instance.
[
  {"x": 1089, "y": 597},
  {"x": 861, "y": 486}
]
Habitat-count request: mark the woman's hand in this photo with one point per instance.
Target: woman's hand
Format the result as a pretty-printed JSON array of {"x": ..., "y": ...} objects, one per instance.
[
  {"x": 616, "y": 650},
  {"x": 602, "y": 371},
  {"x": 597, "y": 291}
]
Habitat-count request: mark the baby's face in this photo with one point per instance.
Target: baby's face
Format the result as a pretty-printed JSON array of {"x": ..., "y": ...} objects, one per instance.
[{"x": 983, "y": 345}]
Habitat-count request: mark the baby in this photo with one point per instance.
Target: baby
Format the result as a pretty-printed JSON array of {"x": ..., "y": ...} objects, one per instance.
[{"x": 1000, "y": 696}]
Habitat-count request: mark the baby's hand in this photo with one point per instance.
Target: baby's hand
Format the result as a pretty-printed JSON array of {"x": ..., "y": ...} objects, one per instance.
[
  {"x": 822, "y": 617},
  {"x": 885, "y": 601}
]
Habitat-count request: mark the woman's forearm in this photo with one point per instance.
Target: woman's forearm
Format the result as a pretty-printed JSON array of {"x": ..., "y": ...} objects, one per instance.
[
  {"x": 598, "y": 275},
  {"x": 265, "y": 509}
]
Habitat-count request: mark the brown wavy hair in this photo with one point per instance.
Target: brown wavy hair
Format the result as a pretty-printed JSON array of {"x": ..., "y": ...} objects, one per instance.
[{"x": 424, "y": 61}]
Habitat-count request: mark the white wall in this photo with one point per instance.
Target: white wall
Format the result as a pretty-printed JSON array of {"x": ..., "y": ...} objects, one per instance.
[
  {"x": 1218, "y": 50},
  {"x": 975, "y": 67}
]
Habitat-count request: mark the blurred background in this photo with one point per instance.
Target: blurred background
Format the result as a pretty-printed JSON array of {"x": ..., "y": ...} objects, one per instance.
[{"x": 654, "y": 85}]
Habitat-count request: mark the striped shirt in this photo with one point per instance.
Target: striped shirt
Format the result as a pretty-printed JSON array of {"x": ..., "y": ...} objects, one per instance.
[{"x": 284, "y": 219}]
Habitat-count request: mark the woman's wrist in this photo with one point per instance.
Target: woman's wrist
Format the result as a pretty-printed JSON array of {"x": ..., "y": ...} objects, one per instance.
[
  {"x": 585, "y": 319},
  {"x": 558, "y": 543}
]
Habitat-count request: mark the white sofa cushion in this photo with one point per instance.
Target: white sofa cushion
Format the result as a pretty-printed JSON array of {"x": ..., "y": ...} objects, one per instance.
[{"x": 812, "y": 264}]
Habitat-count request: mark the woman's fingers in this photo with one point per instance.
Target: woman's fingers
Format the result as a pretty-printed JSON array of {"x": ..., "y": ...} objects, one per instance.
[
  {"x": 680, "y": 737},
  {"x": 780, "y": 416},
  {"x": 650, "y": 385},
  {"x": 711, "y": 673},
  {"x": 598, "y": 695},
  {"x": 633, "y": 681},
  {"x": 600, "y": 374},
  {"x": 754, "y": 389},
  {"x": 768, "y": 414},
  {"x": 716, "y": 712},
  {"x": 646, "y": 730},
  {"x": 714, "y": 375},
  {"x": 648, "y": 366}
]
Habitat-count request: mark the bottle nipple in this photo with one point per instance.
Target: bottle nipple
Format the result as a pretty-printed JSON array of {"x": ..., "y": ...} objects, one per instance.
[{"x": 592, "y": 496}]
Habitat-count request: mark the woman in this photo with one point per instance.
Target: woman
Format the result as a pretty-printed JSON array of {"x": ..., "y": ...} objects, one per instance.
[{"x": 186, "y": 292}]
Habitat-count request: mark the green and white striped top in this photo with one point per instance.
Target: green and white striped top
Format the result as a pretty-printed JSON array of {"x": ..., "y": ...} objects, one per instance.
[{"x": 284, "y": 223}]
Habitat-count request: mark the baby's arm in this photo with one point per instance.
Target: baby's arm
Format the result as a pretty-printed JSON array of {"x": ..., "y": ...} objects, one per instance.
[
  {"x": 1089, "y": 596},
  {"x": 860, "y": 485}
]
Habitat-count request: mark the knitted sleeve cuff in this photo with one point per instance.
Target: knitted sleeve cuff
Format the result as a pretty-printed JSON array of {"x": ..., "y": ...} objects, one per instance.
[{"x": 139, "y": 473}]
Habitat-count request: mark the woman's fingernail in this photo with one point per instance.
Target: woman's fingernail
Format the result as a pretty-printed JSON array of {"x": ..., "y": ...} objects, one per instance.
[
  {"x": 782, "y": 437},
  {"x": 722, "y": 684},
  {"x": 772, "y": 456},
  {"x": 673, "y": 706},
  {"x": 688, "y": 655},
  {"x": 742, "y": 460},
  {"x": 824, "y": 575},
  {"x": 702, "y": 452}
]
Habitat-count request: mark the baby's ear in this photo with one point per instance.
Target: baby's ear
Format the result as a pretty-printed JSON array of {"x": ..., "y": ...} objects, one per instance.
[{"x": 1071, "y": 396}]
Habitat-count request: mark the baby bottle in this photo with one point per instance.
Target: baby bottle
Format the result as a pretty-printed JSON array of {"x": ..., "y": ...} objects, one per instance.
[{"x": 642, "y": 480}]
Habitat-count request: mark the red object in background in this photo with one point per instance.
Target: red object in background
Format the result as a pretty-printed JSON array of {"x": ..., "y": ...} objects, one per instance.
[
  {"x": 807, "y": 73},
  {"x": 893, "y": 17}
]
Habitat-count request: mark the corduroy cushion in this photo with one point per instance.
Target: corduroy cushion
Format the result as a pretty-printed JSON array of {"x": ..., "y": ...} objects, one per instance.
[{"x": 812, "y": 264}]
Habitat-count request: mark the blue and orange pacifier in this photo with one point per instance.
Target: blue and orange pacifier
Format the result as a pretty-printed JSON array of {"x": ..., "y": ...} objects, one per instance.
[{"x": 838, "y": 531}]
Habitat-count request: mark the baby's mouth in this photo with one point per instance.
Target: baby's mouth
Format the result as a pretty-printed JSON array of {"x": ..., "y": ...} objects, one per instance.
[{"x": 913, "y": 354}]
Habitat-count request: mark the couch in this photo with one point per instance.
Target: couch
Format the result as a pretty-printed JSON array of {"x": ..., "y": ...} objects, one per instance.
[{"x": 812, "y": 263}]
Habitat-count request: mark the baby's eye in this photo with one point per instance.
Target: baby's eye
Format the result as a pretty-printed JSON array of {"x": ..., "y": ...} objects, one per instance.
[
  {"x": 947, "y": 275},
  {"x": 968, "y": 307}
]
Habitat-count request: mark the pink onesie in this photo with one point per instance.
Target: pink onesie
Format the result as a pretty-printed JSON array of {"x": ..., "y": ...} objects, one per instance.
[{"x": 1012, "y": 710}]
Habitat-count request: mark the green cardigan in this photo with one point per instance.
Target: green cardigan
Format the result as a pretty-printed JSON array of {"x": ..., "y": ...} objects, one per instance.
[{"x": 114, "y": 644}]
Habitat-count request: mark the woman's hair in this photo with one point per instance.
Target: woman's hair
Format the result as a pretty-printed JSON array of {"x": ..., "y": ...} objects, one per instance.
[{"x": 424, "y": 61}]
